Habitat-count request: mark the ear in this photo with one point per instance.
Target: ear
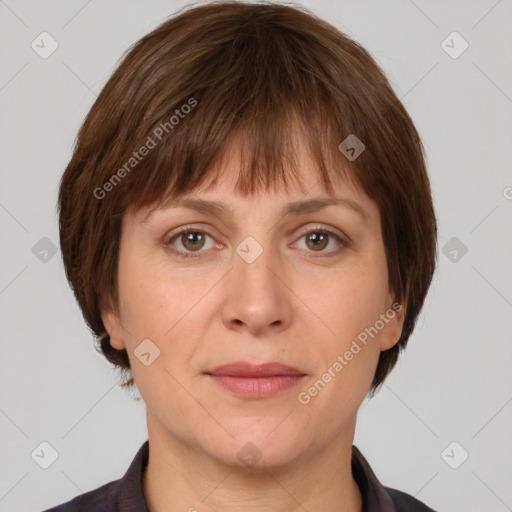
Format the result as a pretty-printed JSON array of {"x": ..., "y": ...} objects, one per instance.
[
  {"x": 393, "y": 318},
  {"x": 113, "y": 326}
]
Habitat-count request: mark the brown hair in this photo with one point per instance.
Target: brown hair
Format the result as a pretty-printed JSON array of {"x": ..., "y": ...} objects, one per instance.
[{"x": 260, "y": 71}]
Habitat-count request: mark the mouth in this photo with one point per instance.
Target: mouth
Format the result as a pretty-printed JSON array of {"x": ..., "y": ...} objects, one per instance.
[{"x": 255, "y": 381}]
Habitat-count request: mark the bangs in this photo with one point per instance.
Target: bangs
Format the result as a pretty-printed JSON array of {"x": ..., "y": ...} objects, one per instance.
[{"x": 269, "y": 151}]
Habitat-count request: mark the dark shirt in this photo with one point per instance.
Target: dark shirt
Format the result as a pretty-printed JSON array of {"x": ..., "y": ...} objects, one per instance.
[{"x": 126, "y": 495}]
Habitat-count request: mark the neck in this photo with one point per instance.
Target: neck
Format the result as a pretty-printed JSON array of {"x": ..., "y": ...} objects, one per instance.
[{"x": 179, "y": 477}]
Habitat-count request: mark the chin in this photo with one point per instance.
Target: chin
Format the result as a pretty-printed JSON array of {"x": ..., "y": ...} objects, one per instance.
[{"x": 258, "y": 444}]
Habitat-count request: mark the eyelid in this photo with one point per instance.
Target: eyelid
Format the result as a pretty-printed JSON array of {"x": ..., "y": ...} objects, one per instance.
[
  {"x": 329, "y": 229},
  {"x": 203, "y": 228}
]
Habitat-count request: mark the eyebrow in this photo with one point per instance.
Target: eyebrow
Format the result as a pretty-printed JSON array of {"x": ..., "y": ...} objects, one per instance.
[{"x": 223, "y": 210}]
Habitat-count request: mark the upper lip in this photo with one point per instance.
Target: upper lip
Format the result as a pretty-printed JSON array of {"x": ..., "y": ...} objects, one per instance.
[{"x": 245, "y": 369}]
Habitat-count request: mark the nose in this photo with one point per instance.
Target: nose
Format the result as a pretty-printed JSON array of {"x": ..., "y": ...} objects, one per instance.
[{"x": 257, "y": 299}]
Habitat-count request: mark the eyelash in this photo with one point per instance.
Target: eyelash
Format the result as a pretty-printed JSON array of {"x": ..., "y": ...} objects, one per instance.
[{"x": 197, "y": 254}]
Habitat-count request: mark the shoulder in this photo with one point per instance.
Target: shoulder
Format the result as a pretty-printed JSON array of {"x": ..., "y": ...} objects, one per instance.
[
  {"x": 119, "y": 495},
  {"x": 406, "y": 503},
  {"x": 101, "y": 499}
]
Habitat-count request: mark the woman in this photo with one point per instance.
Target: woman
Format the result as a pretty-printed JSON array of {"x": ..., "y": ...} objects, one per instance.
[{"x": 248, "y": 228}]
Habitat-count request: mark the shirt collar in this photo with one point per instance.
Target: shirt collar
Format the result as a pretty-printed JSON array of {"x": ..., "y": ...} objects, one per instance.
[
  {"x": 375, "y": 496},
  {"x": 130, "y": 496}
]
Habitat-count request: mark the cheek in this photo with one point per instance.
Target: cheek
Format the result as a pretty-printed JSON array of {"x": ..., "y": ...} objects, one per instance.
[
  {"x": 350, "y": 305},
  {"x": 352, "y": 300},
  {"x": 143, "y": 306},
  {"x": 149, "y": 303},
  {"x": 160, "y": 308}
]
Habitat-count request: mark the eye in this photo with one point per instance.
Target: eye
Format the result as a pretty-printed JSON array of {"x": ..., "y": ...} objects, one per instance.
[
  {"x": 318, "y": 238},
  {"x": 191, "y": 241}
]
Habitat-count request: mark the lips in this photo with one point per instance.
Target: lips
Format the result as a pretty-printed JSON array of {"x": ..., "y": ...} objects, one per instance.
[
  {"x": 248, "y": 370},
  {"x": 255, "y": 381}
]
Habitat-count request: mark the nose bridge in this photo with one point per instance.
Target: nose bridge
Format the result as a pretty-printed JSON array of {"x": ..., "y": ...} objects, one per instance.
[
  {"x": 252, "y": 263},
  {"x": 256, "y": 297}
]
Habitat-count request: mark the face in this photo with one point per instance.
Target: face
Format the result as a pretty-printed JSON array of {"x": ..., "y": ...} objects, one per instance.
[{"x": 296, "y": 303}]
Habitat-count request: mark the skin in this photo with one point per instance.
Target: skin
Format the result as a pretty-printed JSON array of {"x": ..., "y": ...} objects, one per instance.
[{"x": 297, "y": 303}]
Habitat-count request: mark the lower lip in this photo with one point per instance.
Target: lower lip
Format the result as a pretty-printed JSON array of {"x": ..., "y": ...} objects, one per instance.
[{"x": 257, "y": 387}]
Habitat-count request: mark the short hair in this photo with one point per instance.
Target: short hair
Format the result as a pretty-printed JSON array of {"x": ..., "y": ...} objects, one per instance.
[{"x": 258, "y": 72}]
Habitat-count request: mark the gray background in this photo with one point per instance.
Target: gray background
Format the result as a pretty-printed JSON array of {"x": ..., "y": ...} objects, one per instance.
[{"x": 454, "y": 381}]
